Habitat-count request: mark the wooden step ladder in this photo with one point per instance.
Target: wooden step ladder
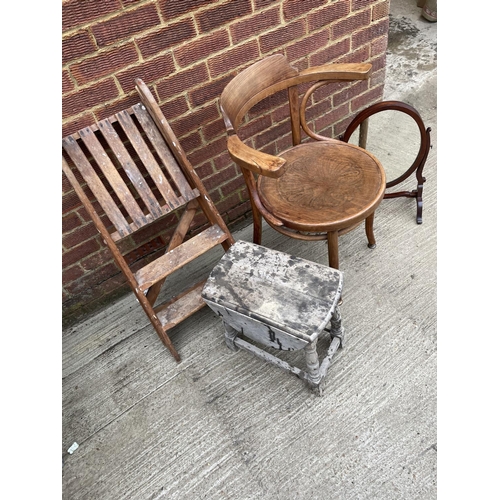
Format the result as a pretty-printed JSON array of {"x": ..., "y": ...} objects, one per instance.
[{"x": 133, "y": 165}]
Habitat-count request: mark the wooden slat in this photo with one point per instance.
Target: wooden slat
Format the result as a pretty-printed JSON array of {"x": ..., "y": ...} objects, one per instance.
[
  {"x": 130, "y": 167},
  {"x": 183, "y": 306},
  {"x": 162, "y": 149},
  {"x": 96, "y": 186},
  {"x": 179, "y": 256},
  {"x": 149, "y": 160},
  {"x": 114, "y": 178}
]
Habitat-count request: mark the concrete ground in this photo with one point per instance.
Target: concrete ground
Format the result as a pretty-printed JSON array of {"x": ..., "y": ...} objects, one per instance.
[{"x": 224, "y": 424}]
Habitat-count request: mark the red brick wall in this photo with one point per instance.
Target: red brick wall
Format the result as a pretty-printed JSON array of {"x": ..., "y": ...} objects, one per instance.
[{"x": 186, "y": 51}]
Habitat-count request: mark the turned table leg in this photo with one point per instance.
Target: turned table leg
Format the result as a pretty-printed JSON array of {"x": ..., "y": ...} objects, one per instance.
[
  {"x": 337, "y": 328},
  {"x": 230, "y": 334},
  {"x": 312, "y": 362}
]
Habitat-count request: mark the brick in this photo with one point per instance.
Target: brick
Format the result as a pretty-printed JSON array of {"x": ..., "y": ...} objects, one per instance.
[
  {"x": 379, "y": 62},
  {"x": 268, "y": 104},
  {"x": 180, "y": 81},
  {"x": 331, "y": 54},
  {"x": 108, "y": 109},
  {"x": 67, "y": 82},
  {"x": 174, "y": 107},
  {"x": 331, "y": 117},
  {"x": 220, "y": 178},
  {"x": 171, "y": 9},
  {"x": 149, "y": 71},
  {"x": 104, "y": 64},
  {"x": 191, "y": 142},
  {"x": 233, "y": 58},
  {"x": 204, "y": 170},
  {"x": 307, "y": 46},
  {"x": 222, "y": 160},
  {"x": 261, "y": 4},
  {"x": 254, "y": 25},
  {"x": 76, "y": 46},
  {"x": 281, "y": 113},
  {"x": 364, "y": 100},
  {"x": 125, "y": 25},
  {"x": 346, "y": 27},
  {"x": 76, "y": 13},
  {"x": 228, "y": 203},
  {"x": 271, "y": 135},
  {"x": 72, "y": 274},
  {"x": 234, "y": 186},
  {"x": 75, "y": 124},
  {"x": 195, "y": 120},
  {"x": 256, "y": 126},
  {"x": 319, "y": 109},
  {"x": 360, "y": 55},
  {"x": 225, "y": 13},
  {"x": 87, "y": 98},
  {"x": 208, "y": 152},
  {"x": 370, "y": 33},
  {"x": 79, "y": 252},
  {"x": 327, "y": 15},
  {"x": 213, "y": 130},
  {"x": 70, "y": 221},
  {"x": 380, "y": 10},
  {"x": 80, "y": 235},
  {"x": 201, "y": 48},
  {"x": 350, "y": 92},
  {"x": 378, "y": 77},
  {"x": 98, "y": 260},
  {"x": 208, "y": 91},
  {"x": 379, "y": 46},
  {"x": 167, "y": 37},
  {"x": 296, "y": 8},
  {"x": 281, "y": 36},
  {"x": 361, "y": 4},
  {"x": 341, "y": 126}
]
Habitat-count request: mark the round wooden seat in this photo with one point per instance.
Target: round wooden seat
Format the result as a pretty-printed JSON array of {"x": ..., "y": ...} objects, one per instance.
[{"x": 327, "y": 187}]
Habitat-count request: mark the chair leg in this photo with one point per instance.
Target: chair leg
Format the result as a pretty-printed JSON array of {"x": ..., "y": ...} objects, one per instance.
[
  {"x": 369, "y": 231},
  {"x": 333, "y": 249},
  {"x": 257, "y": 227}
]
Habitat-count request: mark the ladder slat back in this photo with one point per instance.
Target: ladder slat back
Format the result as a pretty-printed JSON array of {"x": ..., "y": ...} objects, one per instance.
[
  {"x": 148, "y": 160},
  {"x": 133, "y": 173},
  {"x": 162, "y": 149},
  {"x": 113, "y": 177},
  {"x": 97, "y": 187}
]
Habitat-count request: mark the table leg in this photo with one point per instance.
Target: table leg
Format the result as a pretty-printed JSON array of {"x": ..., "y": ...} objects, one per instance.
[
  {"x": 312, "y": 362},
  {"x": 337, "y": 328}
]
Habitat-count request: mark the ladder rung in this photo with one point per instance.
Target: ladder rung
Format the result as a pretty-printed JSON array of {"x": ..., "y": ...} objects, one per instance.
[
  {"x": 179, "y": 256},
  {"x": 182, "y": 306}
]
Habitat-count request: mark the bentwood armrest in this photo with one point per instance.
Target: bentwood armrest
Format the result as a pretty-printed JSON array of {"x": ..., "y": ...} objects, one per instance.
[
  {"x": 337, "y": 71},
  {"x": 256, "y": 161}
]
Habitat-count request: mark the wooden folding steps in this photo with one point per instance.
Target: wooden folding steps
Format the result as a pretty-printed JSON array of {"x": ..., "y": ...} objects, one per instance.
[{"x": 132, "y": 166}]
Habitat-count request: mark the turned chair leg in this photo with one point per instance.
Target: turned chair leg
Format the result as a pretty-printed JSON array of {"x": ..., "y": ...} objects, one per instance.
[
  {"x": 369, "y": 231},
  {"x": 333, "y": 249}
]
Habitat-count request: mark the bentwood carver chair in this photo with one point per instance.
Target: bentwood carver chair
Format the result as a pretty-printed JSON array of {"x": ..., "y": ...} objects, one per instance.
[
  {"x": 134, "y": 167},
  {"x": 314, "y": 190}
]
